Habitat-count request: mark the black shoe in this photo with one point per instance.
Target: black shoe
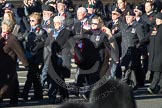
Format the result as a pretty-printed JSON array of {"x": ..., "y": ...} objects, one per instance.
[
  {"x": 160, "y": 92},
  {"x": 54, "y": 101},
  {"x": 141, "y": 85},
  {"x": 63, "y": 99},
  {"x": 25, "y": 98},
  {"x": 151, "y": 91},
  {"x": 36, "y": 98},
  {"x": 13, "y": 103},
  {"x": 1, "y": 100},
  {"x": 135, "y": 88},
  {"x": 85, "y": 97},
  {"x": 51, "y": 101}
]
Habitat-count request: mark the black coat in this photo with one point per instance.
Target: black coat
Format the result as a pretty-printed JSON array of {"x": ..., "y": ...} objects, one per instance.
[
  {"x": 33, "y": 42},
  {"x": 8, "y": 75},
  {"x": 111, "y": 25},
  {"x": 155, "y": 53},
  {"x": 131, "y": 35},
  {"x": 60, "y": 53},
  {"x": 68, "y": 23},
  {"x": 149, "y": 20},
  {"x": 48, "y": 26},
  {"x": 1, "y": 9},
  {"x": 79, "y": 31}
]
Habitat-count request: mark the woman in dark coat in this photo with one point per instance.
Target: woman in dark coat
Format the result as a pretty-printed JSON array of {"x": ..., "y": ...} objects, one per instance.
[
  {"x": 33, "y": 41},
  {"x": 93, "y": 49},
  {"x": 9, "y": 51}
]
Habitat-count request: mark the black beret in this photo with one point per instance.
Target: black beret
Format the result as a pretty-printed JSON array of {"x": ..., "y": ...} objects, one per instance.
[
  {"x": 139, "y": 7},
  {"x": 48, "y": 8},
  {"x": 117, "y": 10},
  {"x": 62, "y": 1},
  {"x": 130, "y": 13},
  {"x": 8, "y": 6},
  {"x": 159, "y": 16},
  {"x": 89, "y": 6},
  {"x": 48, "y": 3}
]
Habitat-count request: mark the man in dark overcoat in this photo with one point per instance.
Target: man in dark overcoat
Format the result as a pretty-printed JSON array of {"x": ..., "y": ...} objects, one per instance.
[
  {"x": 155, "y": 58},
  {"x": 131, "y": 32}
]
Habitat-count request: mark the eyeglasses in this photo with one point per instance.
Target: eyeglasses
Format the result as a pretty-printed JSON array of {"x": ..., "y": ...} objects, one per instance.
[
  {"x": 94, "y": 23},
  {"x": 32, "y": 20},
  {"x": 114, "y": 14},
  {"x": 56, "y": 22}
]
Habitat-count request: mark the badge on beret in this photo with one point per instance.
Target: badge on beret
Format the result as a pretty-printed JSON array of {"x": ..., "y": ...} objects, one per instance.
[
  {"x": 136, "y": 7},
  {"x": 128, "y": 13}
]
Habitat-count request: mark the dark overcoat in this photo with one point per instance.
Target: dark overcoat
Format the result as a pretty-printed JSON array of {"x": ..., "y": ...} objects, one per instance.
[
  {"x": 9, "y": 51},
  {"x": 155, "y": 53},
  {"x": 63, "y": 48}
]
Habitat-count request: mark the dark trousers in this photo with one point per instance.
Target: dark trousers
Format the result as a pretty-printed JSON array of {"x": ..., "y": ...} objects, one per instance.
[
  {"x": 131, "y": 67},
  {"x": 157, "y": 80},
  {"x": 14, "y": 97},
  {"x": 33, "y": 77},
  {"x": 54, "y": 87},
  {"x": 88, "y": 79},
  {"x": 145, "y": 68}
]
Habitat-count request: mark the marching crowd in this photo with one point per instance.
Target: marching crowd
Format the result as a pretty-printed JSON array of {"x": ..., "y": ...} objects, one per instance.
[{"x": 118, "y": 41}]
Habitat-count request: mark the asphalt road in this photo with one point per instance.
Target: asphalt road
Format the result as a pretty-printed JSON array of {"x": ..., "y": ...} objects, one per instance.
[{"x": 143, "y": 99}]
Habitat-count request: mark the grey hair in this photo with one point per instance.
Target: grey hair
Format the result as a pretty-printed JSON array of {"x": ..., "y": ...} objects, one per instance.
[
  {"x": 59, "y": 19},
  {"x": 82, "y": 9},
  {"x": 9, "y": 23}
]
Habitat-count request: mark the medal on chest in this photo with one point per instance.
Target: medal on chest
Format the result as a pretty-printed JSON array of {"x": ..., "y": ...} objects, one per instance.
[
  {"x": 5, "y": 37},
  {"x": 154, "y": 32},
  {"x": 133, "y": 30},
  {"x": 98, "y": 38}
]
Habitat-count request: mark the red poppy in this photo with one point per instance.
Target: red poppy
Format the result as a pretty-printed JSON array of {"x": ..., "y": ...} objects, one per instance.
[
  {"x": 151, "y": 18},
  {"x": 103, "y": 30},
  {"x": 64, "y": 15},
  {"x": 38, "y": 29}
]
